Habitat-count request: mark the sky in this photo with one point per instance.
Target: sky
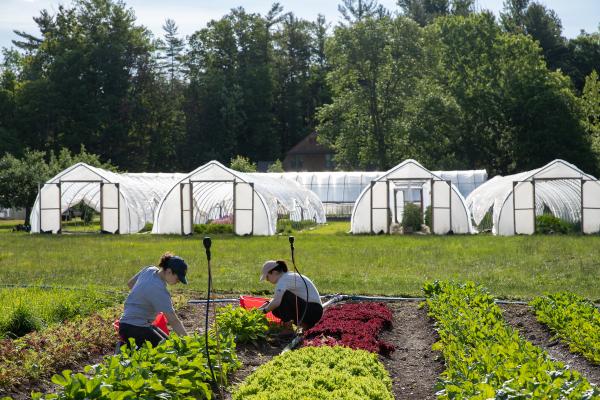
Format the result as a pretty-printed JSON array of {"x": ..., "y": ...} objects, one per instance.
[{"x": 191, "y": 15}]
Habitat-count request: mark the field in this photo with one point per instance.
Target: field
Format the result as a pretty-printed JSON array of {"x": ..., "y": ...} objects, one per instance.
[
  {"x": 511, "y": 267},
  {"x": 521, "y": 268}
]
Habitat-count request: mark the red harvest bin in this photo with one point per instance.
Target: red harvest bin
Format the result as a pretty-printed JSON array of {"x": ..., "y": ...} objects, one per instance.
[
  {"x": 160, "y": 322},
  {"x": 249, "y": 302}
]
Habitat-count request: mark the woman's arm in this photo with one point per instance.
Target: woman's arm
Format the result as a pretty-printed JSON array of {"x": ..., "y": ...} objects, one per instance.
[
  {"x": 176, "y": 324},
  {"x": 131, "y": 282}
]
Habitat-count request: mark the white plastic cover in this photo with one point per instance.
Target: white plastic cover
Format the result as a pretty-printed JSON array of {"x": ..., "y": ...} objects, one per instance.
[
  {"x": 254, "y": 208},
  {"x": 557, "y": 187},
  {"x": 126, "y": 201},
  {"x": 414, "y": 180}
]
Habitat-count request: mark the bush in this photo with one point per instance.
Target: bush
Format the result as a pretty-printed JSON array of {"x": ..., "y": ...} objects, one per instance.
[
  {"x": 244, "y": 325},
  {"x": 548, "y": 223},
  {"x": 20, "y": 322},
  {"x": 207, "y": 229},
  {"x": 429, "y": 217},
  {"x": 242, "y": 164},
  {"x": 325, "y": 373},
  {"x": 287, "y": 226},
  {"x": 277, "y": 166},
  {"x": 412, "y": 218}
]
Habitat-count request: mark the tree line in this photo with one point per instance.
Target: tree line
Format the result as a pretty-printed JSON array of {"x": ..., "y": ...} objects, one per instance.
[{"x": 431, "y": 80}]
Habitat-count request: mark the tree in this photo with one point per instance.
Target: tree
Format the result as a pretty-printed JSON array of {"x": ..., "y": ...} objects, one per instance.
[
  {"x": 359, "y": 10},
  {"x": 591, "y": 109},
  {"x": 583, "y": 57},
  {"x": 172, "y": 49},
  {"x": 425, "y": 11},
  {"x": 20, "y": 177},
  {"x": 242, "y": 164},
  {"x": 375, "y": 64}
]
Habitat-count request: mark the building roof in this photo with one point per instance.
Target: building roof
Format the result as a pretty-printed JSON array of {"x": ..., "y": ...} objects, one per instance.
[{"x": 310, "y": 145}]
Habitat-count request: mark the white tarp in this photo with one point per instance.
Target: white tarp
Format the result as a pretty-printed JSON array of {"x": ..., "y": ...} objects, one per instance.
[
  {"x": 252, "y": 201},
  {"x": 557, "y": 187},
  {"x": 125, "y": 201},
  {"x": 380, "y": 204}
]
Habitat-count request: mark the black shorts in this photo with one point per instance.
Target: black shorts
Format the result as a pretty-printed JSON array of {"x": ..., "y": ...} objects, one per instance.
[
  {"x": 141, "y": 334},
  {"x": 287, "y": 310}
]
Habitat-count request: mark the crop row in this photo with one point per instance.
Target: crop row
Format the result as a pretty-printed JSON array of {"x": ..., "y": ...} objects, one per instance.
[
  {"x": 327, "y": 373},
  {"x": 573, "y": 319},
  {"x": 354, "y": 325},
  {"x": 38, "y": 355},
  {"x": 24, "y": 310},
  {"x": 485, "y": 358}
]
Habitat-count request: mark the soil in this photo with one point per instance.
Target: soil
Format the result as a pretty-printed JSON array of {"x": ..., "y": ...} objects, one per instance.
[
  {"x": 522, "y": 317},
  {"x": 413, "y": 367}
]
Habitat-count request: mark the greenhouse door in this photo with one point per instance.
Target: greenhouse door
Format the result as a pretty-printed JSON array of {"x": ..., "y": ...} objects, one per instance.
[
  {"x": 243, "y": 208},
  {"x": 186, "y": 203},
  {"x": 441, "y": 211},
  {"x": 590, "y": 206},
  {"x": 110, "y": 203},
  {"x": 380, "y": 220},
  {"x": 50, "y": 212},
  {"x": 524, "y": 207}
]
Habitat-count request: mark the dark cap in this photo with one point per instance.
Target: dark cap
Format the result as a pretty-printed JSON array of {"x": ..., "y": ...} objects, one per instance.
[{"x": 179, "y": 267}]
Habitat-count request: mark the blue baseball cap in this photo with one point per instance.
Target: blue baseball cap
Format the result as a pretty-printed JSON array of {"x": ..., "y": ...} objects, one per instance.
[{"x": 179, "y": 268}]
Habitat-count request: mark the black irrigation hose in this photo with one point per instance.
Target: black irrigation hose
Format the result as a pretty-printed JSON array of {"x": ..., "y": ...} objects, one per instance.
[
  {"x": 207, "y": 243},
  {"x": 291, "y": 239}
]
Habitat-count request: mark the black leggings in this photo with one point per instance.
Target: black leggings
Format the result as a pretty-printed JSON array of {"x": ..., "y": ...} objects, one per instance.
[
  {"x": 141, "y": 334},
  {"x": 287, "y": 310}
]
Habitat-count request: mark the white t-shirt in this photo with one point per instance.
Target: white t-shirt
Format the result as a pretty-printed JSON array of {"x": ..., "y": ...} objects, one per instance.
[{"x": 293, "y": 282}]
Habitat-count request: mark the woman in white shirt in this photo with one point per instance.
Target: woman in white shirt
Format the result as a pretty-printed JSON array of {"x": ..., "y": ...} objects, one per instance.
[{"x": 296, "y": 297}]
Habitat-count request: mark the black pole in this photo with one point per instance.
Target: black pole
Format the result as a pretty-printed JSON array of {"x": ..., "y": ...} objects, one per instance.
[
  {"x": 291, "y": 239},
  {"x": 207, "y": 243}
]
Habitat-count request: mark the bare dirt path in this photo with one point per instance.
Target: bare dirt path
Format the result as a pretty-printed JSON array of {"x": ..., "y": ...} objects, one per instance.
[
  {"x": 522, "y": 317},
  {"x": 413, "y": 367}
]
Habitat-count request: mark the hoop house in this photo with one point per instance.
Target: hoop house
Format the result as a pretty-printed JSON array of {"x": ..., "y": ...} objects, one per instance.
[
  {"x": 380, "y": 206},
  {"x": 515, "y": 201},
  {"x": 252, "y": 202},
  {"x": 126, "y": 202},
  {"x": 339, "y": 190}
]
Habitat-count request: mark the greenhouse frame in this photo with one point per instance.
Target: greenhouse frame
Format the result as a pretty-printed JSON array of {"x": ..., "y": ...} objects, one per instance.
[
  {"x": 515, "y": 201},
  {"x": 252, "y": 202},
  {"x": 126, "y": 202},
  {"x": 380, "y": 205}
]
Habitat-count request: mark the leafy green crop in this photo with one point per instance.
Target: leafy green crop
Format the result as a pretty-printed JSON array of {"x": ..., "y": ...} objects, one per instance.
[
  {"x": 485, "y": 358},
  {"x": 574, "y": 319},
  {"x": 176, "y": 369},
  {"x": 245, "y": 325},
  {"x": 325, "y": 373}
]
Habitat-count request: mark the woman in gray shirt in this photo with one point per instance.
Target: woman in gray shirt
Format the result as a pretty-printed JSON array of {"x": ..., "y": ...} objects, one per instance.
[{"x": 148, "y": 297}]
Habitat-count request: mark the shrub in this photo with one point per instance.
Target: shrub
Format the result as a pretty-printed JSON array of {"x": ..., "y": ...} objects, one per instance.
[
  {"x": 548, "y": 223},
  {"x": 327, "y": 373},
  {"x": 244, "y": 325},
  {"x": 287, "y": 226},
  {"x": 20, "y": 322},
  {"x": 211, "y": 229},
  {"x": 354, "y": 325},
  {"x": 412, "y": 218},
  {"x": 277, "y": 166},
  {"x": 242, "y": 164},
  {"x": 428, "y": 217}
]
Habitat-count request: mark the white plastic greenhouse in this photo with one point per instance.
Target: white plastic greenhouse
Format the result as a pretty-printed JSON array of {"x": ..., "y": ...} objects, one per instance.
[
  {"x": 515, "y": 200},
  {"x": 339, "y": 190},
  {"x": 126, "y": 202},
  {"x": 381, "y": 205},
  {"x": 252, "y": 202}
]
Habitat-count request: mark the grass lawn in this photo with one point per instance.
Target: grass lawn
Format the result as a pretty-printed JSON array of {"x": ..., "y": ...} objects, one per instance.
[{"x": 513, "y": 267}]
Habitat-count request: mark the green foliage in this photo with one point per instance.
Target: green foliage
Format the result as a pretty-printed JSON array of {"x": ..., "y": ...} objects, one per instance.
[
  {"x": 277, "y": 166},
  {"x": 38, "y": 355},
  {"x": 548, "y": 223},
  {"x": 211, "y": 229},
  {"x": 287, "y": 226},
  {"x": 319, "y": 373},
  {"x": 485, "y": 358},
  {"x": 177, "y": 368},
  {"x": 428, "y": 217},
  {"x": 242, "y": 164},
  {"x": 574, "y": 319},
  {"x": 244, "y": 325},
  {"x": 23, "y": 310},
  {"x": 412, "y": 218}
]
